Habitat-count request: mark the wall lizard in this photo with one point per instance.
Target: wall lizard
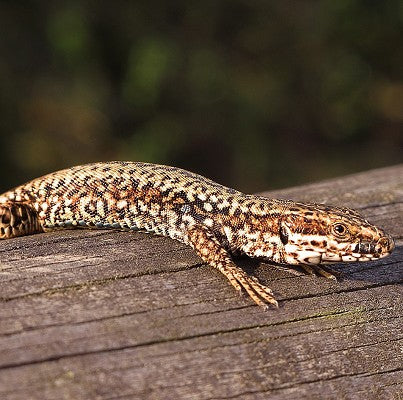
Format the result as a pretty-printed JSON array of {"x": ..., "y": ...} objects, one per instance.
[{"x": 216, "y": 221}]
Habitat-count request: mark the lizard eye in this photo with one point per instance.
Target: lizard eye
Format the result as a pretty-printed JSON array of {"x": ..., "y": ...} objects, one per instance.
[{"x": 339, "y": 229}]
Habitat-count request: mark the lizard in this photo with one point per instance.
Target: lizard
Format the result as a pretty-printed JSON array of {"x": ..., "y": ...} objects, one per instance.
[{"x": 216, "y": 221}]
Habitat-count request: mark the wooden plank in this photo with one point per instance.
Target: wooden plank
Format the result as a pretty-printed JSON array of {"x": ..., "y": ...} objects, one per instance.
[{"x": 115, "y": 315}]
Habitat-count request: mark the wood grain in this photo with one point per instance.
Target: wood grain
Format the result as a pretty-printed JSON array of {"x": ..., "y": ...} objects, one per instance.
[{"x": 116, "y": 315}]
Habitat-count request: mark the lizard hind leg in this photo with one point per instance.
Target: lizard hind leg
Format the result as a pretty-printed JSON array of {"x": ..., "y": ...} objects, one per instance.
[
  {"x": 18, "y": 219},
  {"x": 210, "y": 250}
]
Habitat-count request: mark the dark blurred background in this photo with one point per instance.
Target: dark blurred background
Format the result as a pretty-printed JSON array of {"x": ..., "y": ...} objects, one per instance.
[{"x": 254, "y": 94}]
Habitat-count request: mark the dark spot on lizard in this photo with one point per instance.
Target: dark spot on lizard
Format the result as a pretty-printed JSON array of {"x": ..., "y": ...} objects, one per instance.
[
  {"x": 6, "y": 217},
  {"x": 283, "y": 235},
  {"x": 237, "y": 212},
  {"x": 24, "y": 214}
]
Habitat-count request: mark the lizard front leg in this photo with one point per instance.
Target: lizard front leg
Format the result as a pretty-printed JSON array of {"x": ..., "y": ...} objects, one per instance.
[{"x": 207, "y": 246}]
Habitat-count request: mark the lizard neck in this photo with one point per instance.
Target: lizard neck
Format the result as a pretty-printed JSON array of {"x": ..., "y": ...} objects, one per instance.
[{"x": 253, "y": 227}]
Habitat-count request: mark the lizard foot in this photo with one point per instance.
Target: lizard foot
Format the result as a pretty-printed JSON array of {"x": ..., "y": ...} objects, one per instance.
[
  {"x": 259, "y": 293},
  {"x": 316, "y": 269}
]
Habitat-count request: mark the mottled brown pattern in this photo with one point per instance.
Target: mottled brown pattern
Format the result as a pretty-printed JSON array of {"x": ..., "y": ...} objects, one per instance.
[
  {"x": 18, "y": 219},
  {"x": 215, "y": 220},
  {"x": 211, "y": 251}
]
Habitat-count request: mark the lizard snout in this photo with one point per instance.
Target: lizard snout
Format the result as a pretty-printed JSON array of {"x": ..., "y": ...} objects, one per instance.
[{"x": 385, "y": 245}]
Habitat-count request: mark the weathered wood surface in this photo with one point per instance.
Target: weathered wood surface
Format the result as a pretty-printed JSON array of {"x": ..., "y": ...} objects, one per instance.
[{"x": 114, "y": 315}]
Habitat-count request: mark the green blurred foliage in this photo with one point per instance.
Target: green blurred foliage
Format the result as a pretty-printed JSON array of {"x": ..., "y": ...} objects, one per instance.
[{"x": 254, "y": 94}]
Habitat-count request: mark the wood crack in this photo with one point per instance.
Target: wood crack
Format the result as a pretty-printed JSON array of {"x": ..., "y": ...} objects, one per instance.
[
  {"x": 184, "y": 338},
  {"x": 299, "y": 384},
  {"x": 95, "y": 282}
]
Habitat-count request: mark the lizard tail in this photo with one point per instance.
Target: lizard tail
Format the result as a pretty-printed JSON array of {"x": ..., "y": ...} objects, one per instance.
[{"x": 18, "y": 219}]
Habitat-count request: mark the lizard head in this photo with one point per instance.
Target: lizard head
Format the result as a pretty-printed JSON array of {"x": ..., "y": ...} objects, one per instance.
[{"x": 315, "y": 234}]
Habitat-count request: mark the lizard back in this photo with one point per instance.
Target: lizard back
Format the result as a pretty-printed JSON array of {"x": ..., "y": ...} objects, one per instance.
[{"x": 124, "y": 195}]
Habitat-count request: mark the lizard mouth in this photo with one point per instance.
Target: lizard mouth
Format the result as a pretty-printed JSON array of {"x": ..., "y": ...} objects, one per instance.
[
  {"x": 362, "y": 251},
  {"x": 333, "y": 257},
  {"x": 384, "y": 245},
  {"x": 338, "y": 252}
]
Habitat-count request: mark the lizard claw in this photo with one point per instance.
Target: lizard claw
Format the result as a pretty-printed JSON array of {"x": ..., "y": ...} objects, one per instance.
[{"x": 259, "y": 293}]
